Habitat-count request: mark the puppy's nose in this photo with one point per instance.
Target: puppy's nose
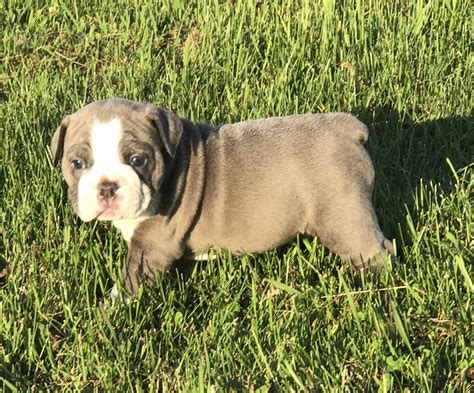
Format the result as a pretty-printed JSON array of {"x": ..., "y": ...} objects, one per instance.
[{"x": 108, "y": 190}]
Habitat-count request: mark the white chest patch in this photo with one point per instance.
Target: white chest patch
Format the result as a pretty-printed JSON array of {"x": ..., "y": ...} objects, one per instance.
[{"x": 128, "y": 225}]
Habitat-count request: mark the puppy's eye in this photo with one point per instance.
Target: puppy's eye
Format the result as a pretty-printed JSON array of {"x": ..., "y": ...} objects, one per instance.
[
  {"x": 137, "y": 161},
  {"x": 77, "y": 164}
]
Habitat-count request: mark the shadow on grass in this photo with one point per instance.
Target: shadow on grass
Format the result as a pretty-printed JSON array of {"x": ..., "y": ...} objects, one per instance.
[{"x": 406, "y": 152}]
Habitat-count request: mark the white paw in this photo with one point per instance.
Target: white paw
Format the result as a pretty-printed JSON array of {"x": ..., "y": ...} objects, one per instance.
[
  {"x": 118, "y": 296},
  {"x": 115, "y": 296}
]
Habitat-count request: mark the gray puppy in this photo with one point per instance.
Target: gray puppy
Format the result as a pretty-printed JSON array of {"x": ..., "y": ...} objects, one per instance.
[{"x": 174, "y": 187}]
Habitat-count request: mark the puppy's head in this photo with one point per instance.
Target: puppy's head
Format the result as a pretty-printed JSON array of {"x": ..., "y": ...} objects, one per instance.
[{"x": 114, "y": 157}]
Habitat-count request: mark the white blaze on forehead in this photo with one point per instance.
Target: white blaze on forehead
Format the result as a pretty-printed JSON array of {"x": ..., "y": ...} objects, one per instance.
[{"x": 105, "y": 140}]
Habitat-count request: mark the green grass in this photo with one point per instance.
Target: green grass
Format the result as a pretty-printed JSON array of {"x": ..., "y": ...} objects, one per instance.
[{"x": 294, "y": 318}]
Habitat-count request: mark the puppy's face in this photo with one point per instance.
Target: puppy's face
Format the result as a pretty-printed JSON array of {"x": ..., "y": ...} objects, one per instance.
[{"x": 114, "y": 157}]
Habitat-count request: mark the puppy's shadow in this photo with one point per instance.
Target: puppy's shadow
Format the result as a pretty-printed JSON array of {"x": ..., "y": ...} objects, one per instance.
[{"x": 405, "y": 152}]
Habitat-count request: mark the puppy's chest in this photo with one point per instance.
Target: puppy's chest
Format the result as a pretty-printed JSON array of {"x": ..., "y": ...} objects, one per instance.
[{"x": 128, "y": 226}]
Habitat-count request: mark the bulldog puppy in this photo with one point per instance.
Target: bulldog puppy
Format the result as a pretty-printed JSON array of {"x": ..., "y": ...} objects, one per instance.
[{"x": 174, "y": 187}]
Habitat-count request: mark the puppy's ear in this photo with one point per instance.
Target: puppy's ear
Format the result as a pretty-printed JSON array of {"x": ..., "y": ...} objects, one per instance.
[
  {"x": 169, "y": 128},
  {"x": 57, "y": 143}
]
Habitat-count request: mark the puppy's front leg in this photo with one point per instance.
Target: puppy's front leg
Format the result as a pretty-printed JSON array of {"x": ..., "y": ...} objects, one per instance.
[
  {"x": 142, "y": 264},
  {"x": 144, "y": 261}
]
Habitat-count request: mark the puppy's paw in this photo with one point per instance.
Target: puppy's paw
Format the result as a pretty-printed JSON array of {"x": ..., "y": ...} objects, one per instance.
[
  {"x": 378, "y": 264},
  {"x": 381, "y": 263},
  {"x": 115, "y": 296},
  {"x": 119, "y": 296}
]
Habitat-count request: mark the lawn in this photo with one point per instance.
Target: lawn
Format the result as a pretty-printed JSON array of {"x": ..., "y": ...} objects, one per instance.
[{"x": 295, "y": 318}]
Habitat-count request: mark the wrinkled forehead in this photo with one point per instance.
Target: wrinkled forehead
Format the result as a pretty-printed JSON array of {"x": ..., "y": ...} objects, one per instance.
[{"x": 120, "y": 118}]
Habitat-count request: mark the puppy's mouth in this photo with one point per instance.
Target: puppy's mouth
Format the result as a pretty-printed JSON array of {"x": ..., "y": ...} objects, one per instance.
[
  {"x": 104, "y": 215},
  {"x": 111, "y": 211}
]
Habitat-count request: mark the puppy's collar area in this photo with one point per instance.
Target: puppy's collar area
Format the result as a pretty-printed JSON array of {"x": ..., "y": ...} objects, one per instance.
[{"x": 128, "y": 225}]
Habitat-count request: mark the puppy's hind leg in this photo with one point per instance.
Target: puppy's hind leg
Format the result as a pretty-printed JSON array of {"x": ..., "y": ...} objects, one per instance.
[{"x": 350, "y": 229}]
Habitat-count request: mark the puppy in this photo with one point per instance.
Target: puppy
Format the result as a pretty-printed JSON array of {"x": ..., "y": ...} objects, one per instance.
[{"x": 174, "y": 187}]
